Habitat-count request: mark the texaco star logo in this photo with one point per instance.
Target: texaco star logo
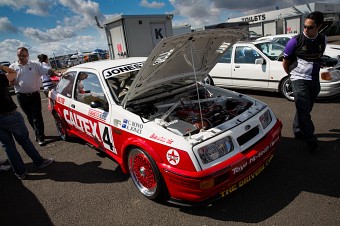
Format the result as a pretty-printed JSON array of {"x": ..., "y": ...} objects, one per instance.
[{"x": 173, "y": 157}]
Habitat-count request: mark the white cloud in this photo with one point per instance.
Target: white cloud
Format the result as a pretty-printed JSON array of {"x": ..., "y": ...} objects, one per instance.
[
  {"x": 34, "y": 7},
  {"x": 9, "y": 49},
  {"x": 69, "y": 35},
  {"x": 51, "y": 35},
  {"x": 6, "y": 25},
  {"x": 86, "y": 10},
  {"x": 196, "y": 13},
  {"x": 153, "y": 4},
  {"x": 66, "y": 46}
]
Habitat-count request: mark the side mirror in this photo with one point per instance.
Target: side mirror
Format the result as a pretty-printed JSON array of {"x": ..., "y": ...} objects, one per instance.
[{"x": 259, "y": 61}]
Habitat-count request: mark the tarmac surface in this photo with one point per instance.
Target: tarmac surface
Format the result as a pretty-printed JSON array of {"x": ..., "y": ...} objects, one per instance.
[{"x": 83, "y": 187}]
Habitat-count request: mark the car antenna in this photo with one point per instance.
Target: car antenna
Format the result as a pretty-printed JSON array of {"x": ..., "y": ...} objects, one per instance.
[{"x": 198, "y": 95}]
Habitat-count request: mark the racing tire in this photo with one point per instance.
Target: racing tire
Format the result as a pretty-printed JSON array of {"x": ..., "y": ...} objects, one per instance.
[
  {"x": 145, "y": 174},
  {"x": 286, "y": 89},
  {"x": 208, "y": 80},
  {"x": 61, "y": 128}
]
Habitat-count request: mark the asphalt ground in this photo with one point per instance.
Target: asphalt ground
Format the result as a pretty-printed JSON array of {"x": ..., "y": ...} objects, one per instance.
[{"x": 84, "y": 187}]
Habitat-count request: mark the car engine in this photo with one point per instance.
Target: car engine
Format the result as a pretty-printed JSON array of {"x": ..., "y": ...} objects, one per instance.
[{"x": 194, "y": 110}]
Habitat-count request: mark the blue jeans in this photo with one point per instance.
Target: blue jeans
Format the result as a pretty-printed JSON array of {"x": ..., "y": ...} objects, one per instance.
[
  {"x": 305, "y": 93},
  {"x": 14, "y": 126}
]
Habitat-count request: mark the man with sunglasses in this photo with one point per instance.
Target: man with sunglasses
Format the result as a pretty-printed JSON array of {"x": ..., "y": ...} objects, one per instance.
[
  {"x": 302, "y": 61},
  {"x": 27, "y": 88}
]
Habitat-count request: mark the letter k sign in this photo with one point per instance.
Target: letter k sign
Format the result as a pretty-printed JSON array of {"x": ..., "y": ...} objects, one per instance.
[{"x": 158, "y": 33}]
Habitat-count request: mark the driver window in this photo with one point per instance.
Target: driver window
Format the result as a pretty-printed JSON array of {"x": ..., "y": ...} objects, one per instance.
[
  {"x": 66, "y": 83},
  {"x": 88, "y": 89},
  {"x": 239, "y": 55},
  {"x": 245, "y": 55},
  {"x": 120, "y": 84},
  {"x": 250, "y": 55}
]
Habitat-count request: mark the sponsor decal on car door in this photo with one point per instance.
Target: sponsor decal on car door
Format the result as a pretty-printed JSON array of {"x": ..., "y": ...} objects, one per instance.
[{"x": 92, "y": 123}]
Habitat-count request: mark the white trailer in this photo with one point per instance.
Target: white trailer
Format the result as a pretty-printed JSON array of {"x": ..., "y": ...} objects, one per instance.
[{"x": 136, "y": 35}]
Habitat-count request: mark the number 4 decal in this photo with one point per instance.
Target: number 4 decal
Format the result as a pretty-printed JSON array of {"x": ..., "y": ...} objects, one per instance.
[{"x": 106, "y": 135}]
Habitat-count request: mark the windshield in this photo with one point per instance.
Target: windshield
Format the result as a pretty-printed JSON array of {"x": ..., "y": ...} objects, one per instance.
[
  {"x": 119, "y": 85},
  {"x": 271, "y": 49}
]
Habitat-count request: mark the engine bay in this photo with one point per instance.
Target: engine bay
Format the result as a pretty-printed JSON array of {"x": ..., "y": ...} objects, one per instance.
[{"x": 195, "y": 109}]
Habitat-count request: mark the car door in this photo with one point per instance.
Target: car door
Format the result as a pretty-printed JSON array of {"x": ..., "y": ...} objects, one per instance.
[
  {"x": 90, "y": 110},
  {"x": 63, "y": 98},
  {"x": 245, "y": 72},
  {"x": 221, "y": 73}
]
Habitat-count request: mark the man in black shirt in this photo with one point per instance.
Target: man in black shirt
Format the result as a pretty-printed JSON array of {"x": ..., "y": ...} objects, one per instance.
[
  {"x": 12, "y": 124},
  {"x": 302, "y": 61}
]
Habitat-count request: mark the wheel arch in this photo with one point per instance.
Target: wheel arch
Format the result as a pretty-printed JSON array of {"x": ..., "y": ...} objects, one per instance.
[
  {"x": 288, "y": 96},
  {"x": 209, "y": 80},
  {"x": 59, "y": 113},
  {"x": 56, "y": 111},
  {"x": 280, "y": 83},
  {"x": 137, "y": 142},
  {"x": 66, "y": 134}
]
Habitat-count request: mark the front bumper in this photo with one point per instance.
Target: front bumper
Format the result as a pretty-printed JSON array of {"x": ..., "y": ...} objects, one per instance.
[
  {"x": 201, "y": 188},
  {"x": 329, "y": 89}
]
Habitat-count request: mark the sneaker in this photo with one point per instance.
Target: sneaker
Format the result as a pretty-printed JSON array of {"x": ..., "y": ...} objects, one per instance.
[
  {"x": 21, "y": 176},
  {"x": 299, "y": 135},
  {"x": 41, "y": 141},
  {"x": 45, "y": 163},
  {"x": 5, "y": 167}
]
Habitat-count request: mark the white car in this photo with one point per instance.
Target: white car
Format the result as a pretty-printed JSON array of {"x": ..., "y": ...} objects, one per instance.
[
  {"x": 75, "y": 60},
  {"x": 332, "y": 50},
  {"x": 258, "y": 65},
  {"x": 253, "y": 35},
  {"x": 178, "y": 138}
]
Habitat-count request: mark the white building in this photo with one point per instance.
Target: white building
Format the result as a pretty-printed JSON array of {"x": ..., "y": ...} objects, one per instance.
[{"x": 288, "y": 20}]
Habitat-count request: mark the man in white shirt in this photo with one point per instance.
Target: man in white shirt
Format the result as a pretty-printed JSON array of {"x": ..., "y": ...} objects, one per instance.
[{"x": 27, "y": 88}]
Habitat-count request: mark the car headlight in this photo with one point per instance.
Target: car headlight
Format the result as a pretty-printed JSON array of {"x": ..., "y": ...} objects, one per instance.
[
  {"x": 265, "y": 119},
  {"x": 331, "y": 75},
  {"x": 216, "y": 150}
]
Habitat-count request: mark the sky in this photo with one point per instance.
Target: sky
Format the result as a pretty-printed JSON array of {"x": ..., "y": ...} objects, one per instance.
[{"x": 59, "y": 27}]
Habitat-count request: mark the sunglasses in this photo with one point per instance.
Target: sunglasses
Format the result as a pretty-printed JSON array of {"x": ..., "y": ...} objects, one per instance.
[
  {"x": 308, "y": 27},
  {"x": 22, "y": 56}
]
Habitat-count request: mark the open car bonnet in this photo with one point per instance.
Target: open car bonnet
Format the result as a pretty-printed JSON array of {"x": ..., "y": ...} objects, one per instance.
[{"x": 181, "y": 60}]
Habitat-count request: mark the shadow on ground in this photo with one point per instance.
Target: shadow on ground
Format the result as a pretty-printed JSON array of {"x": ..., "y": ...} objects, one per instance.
[
  {"x": 18, "y": 205},
  {"x": 293, "y": 170}
]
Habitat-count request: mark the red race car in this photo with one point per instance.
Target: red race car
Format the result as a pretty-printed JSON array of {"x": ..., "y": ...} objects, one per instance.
[{"x": 179, "y": 138}]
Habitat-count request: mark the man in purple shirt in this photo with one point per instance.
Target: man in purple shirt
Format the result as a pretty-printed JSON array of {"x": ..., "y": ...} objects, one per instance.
[{"x": 302, "y": 61}]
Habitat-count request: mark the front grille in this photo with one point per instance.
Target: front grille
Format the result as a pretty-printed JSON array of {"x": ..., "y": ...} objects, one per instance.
[{"x": 248, "y": 136}]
